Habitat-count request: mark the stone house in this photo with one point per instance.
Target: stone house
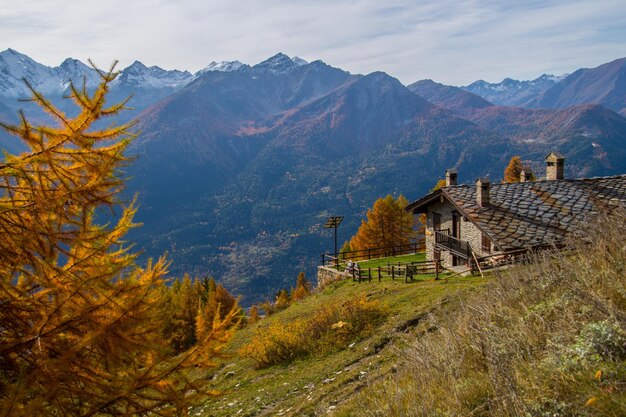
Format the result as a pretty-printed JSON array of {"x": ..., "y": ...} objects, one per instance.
[{"x": 468, "y": 222}]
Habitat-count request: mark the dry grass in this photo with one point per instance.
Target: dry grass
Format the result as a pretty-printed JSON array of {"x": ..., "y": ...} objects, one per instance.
[
  {"x": 546, "y": 339},
  {"x": 329, "y": 328}
]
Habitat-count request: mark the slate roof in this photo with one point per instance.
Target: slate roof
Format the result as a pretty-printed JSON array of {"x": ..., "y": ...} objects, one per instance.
[{"x": 535, "y": 213}]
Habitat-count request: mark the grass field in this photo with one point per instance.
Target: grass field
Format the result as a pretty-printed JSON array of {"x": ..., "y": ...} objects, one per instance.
[
  {"x": 393, "y": 260},
  {"x": 320, "y": 384}
]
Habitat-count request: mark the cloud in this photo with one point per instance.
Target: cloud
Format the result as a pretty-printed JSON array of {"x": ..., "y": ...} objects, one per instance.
[{"x": 451, "y": 41}]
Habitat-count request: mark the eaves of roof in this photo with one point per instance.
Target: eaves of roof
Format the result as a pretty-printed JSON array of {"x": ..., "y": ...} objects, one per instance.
[{"x": 436, "y": 196}]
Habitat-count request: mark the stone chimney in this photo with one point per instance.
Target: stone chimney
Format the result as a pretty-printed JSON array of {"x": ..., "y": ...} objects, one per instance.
[
  {"x": 483, "y": 186},
  {"x": 451, "y": 177},
  {"x": 522, "y": 176},
  {"x": 555, "y": 164}
]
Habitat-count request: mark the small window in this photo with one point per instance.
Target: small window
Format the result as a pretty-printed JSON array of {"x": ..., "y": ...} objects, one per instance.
[
  {"x": 436, "y": 221},
  {"x": 486, "y": 244}
]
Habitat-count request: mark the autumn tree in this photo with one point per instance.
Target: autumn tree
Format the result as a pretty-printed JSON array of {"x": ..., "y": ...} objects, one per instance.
[
  {"x": 303, "y": 288},
  {"x": 345, "y": 248},
  {"x": 253, "y": 314},
  {"x": 387, "y": 224},
  {"x": 282, "y": 299},
  {"x": 439, "y": 184},
  {"x": 79, "y": 333},
  {"x": 180, "y": 330},
  {"x": 514, "y": 168},
  {"x": 218, "y": 302}
]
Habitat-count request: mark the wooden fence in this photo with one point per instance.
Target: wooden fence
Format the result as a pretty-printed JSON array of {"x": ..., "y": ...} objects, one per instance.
[
  {"x": 373, "y": 253},
  {"x": 407, "y": 271}
]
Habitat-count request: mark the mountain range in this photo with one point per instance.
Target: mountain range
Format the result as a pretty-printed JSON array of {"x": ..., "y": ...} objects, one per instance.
[
  {"x": 603, "y": 85},
  {"x": 238, "y": 166}
]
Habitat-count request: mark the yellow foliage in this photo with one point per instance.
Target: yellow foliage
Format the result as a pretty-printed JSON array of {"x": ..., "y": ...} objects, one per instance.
[
  {"x": 303, "y": 288},
  {"x": 512, "y": 173},
  {"x": 598, "y": 375},
  {"x": 80, "y": 333},
  {"x": 387, "y": 225},
  {"x": 329, "y": 328},
  {"x": 253, "y": 314}
]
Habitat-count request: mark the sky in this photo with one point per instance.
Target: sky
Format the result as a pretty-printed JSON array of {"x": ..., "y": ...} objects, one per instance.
[{"x": 450, "y": 41}]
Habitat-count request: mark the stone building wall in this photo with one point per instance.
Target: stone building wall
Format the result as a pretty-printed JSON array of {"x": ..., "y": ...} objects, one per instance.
[{"x": 469, "y": 232}]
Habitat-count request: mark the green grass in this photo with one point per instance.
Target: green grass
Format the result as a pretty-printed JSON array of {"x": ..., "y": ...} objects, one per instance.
[
  {"x": 393, "y": 260},
  {"x": 319, "y": 385}
]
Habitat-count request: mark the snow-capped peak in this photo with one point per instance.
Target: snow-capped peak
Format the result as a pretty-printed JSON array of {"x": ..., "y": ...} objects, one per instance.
[
  {"x": 551, "y": 77},
  {"x": 138, "y": 75},
  {"x": 14, "y": 67},
  {"x": 279, "y": 63},
  {"x": 222, "y": 66},
  {"x": 299, "y": 61}
]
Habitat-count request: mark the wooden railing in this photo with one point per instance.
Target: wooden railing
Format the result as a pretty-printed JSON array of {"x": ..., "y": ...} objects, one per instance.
[
  {"x": 407, "y": 271},
  {"x": 457, "y": 246},
  {"x": 373, "y": 253}
]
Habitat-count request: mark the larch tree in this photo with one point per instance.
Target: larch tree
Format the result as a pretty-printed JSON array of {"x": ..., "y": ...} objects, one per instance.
[
  {"x": 253, "y": 314},
  {"x": 303, "y": 288},
  {"x": 387, "y": 225},
  {"x": 78, "y": 334},
  {"x": 440, "y": 183},
  {"x": 185, "y": 300},
  {"x": 213, "y": 305},
  {"x": 513, "y": 170}
]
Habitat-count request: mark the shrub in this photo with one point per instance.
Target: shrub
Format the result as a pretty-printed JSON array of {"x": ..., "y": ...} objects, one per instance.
[{"x": 330, "y": 328}]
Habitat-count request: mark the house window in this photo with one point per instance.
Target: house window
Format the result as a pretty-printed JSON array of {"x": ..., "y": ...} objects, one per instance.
[
  {"x": 436, "y": 221},
  {"x": 486, "y": 244}
]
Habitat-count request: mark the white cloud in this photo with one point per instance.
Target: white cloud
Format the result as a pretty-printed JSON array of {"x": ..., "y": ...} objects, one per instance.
[{"x": 451, "y": 41}]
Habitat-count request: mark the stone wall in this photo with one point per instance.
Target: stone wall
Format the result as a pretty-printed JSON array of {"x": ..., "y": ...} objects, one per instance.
[
  {"x": 327, "y": 275},
  {"x": 469, "y": 232}
]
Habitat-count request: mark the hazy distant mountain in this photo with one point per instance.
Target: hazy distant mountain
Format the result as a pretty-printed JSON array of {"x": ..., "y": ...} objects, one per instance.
[
  {"x": 511, "y": 92},
  {"x": 604, "y": 85},
  {"x": 593, "y": 135},
  {"x": 449, "y": 97}
]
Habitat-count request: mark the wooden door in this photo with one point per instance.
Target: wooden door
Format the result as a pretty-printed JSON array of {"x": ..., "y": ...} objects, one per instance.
[{"x": 456, "y": 225}]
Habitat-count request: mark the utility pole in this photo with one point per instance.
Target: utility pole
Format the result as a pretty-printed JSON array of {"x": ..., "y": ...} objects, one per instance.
[{"x": 333, "y": 222}]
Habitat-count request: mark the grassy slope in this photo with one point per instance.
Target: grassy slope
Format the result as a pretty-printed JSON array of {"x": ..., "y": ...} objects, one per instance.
[
  {"x": 546, "y": 339},
  {"x": 315, "y": 386}
]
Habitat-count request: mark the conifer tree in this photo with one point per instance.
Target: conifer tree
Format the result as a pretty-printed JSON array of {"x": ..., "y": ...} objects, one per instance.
[
  {"x": 440, "y": 183},
  {"x": 282, "y": 299},
  {"x": 253, "y": 314},
  {"x": 387, "y": 224},
  {"x": 345, "y": 248},
  {"x": 514, "y": 169},
  {"x": 79, "y": 333},
  {"x": 185, "y": 302},
  {"x": 219, "y": 302},
  {"x": 303, "y": 288}
]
